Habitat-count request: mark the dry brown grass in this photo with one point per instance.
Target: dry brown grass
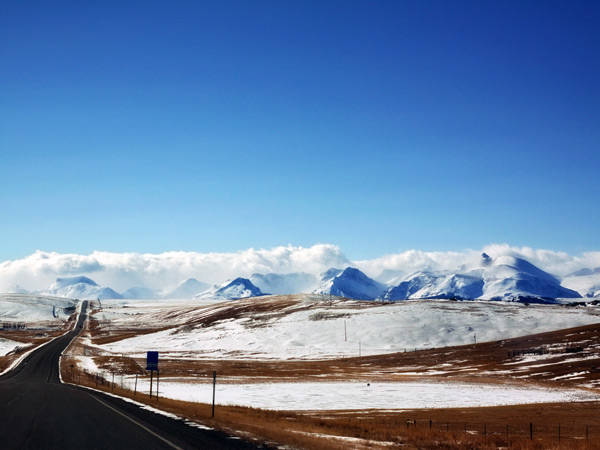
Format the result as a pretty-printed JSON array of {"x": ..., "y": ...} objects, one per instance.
[
  {"x": 31, "y": 338},
  {"x": 462, "y": 428}
]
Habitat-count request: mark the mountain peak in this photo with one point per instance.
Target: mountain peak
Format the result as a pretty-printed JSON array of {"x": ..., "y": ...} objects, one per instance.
[
  {"x": 486, "y": 260},
  {"x": 69, "y": 281},
  {"x": 233, "y": 290},
  {"x": 187, "y": 289},
  {"x": 351, "y": 283}
]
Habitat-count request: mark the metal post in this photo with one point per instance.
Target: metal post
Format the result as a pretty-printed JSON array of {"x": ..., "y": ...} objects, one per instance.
[
  {"x": 345, "y": 335},
  {"x": 113, "y": 381},
  {"x": 214, "y": 386},
  {"x": 157, "y": 382},
  {"x": 151, "y": 373},
  {"x": 430, "y": 424},
  {"x": 135, "y": 388}
]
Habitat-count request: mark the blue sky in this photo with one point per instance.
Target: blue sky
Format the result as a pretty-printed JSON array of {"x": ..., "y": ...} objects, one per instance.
[{"x": 376, "y": 126}]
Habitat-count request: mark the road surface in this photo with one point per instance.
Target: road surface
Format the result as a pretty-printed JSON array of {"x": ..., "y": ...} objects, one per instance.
[{"x": 38, "y": 412}]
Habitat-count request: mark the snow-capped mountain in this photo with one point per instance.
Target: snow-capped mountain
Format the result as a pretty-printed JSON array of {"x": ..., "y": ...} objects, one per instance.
[
  {"x": 82, "y": 288},
  {"x": 187, "y": 289},
  {"x": 584, "y": 281},
  {"x": 351, "y": 283},
  {"x": 139, "y": 292},
  {"x": 286, "y": 283},
  {"x": 503, "y": 278},
  {"x": 238, "y": 288},
  {"x": 436, "y": 285}
]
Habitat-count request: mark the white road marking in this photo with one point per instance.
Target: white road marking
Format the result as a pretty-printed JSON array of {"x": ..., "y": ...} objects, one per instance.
[{"x": 166, "y": 441}]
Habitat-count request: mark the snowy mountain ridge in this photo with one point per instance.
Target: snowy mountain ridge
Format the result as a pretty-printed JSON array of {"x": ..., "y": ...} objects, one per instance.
[
  {"x": 80, "y": 287},
  {"x": 504, "y": 277},
  {"x": 232, "y": 290}
]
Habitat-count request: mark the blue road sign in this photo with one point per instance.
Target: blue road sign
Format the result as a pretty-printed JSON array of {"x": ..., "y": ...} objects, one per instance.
[{"x": 151, "y": 360}]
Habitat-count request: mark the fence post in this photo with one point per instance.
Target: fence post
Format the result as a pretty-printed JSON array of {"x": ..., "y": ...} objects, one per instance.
[
  {"x": 587, "y": 434},
  {"x": 214, "y": 386},
  {"x": 135, "y": 388},
  {"x": 530, "y": 431}
]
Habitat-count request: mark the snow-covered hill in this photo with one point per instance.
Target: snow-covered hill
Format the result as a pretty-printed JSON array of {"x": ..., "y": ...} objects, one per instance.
[
  {"x": 436, "y": 285},
  {"x": 310, "y": 326},
  {"x": 503, "y": 278},
  {"x": 584, "y": 281},
  {"x": 34, "y": 308},
  {"x": 285, "y": 283},
  {"x": 187, "y": 289},
  {"x": 139, "y": 292},
  {"x": 82, "y": 288},
  {"x": 238, "y": 288},
  {"x": 350, "y": 283}
]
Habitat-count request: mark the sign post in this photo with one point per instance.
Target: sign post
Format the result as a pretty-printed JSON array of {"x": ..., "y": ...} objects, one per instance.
[{"x": 152, "y": 365}]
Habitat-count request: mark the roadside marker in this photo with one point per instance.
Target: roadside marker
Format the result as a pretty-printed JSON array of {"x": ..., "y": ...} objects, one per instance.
[{"x": 152, "y": 365}]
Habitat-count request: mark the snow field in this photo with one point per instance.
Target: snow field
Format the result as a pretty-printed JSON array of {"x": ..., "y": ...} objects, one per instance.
[
  {"x": 318, "y": 332},
  {"x": 34, "y": 308},
  {"x": 359, "y": 395},
  {"x": 8, "y": 345}
]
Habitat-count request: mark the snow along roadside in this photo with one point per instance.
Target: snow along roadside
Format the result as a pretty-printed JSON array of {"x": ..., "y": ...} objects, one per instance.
[
  {"x": 138, "y": 404},
  {"x": 20, "y": 359}
]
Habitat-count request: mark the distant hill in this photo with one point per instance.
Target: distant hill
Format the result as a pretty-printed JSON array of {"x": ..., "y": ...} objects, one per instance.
[
  {"x": 238, "y": 288},
  {"x": 503, "y": 278},
  {"x": 139, "y": 292},
  {"x": 284, "y": 283},
  {"x": 187, "y": 289},
  {"x": 82, "y": 288},
  {"x": 351, "y": 283}
]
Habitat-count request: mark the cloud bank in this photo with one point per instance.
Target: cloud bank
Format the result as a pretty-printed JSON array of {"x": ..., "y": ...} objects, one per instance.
[{"x": 165, "y": 270}]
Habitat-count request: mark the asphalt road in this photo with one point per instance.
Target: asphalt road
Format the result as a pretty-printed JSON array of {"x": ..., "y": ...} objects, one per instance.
[{"x": 38, "y": 412}]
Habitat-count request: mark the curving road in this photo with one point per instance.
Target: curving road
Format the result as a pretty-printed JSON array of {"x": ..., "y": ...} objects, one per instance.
[{"x": 38, "y": 412}]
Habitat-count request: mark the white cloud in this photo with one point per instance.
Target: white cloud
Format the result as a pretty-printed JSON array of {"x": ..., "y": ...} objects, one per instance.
[
  {"x": 165, "y": 270},
  {"x": 557, "y": 263}
]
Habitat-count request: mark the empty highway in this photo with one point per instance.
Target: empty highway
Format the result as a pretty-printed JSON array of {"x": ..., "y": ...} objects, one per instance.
[{"x": 37, "y": 411}]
